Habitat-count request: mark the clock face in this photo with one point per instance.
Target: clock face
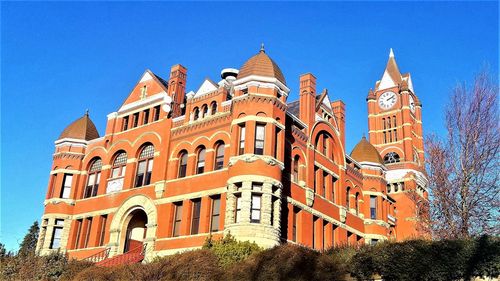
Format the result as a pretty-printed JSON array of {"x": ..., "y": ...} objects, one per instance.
[
  {"x": 387, "y": 100},
  {"x": 412, "y": 104}
]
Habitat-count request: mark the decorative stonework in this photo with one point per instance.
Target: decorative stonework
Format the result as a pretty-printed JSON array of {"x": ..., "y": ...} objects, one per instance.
[
  {"x": 250, "y": 158},
  {"x": 309, "y": 197}
]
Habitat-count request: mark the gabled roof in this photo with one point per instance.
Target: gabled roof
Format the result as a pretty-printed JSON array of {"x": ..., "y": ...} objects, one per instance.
[
  {"x": 294, "y": 107},
  {"x": 262, "y": 65},
  {"x": 83, "y": 128},
  {"x": 206, "y": 87},
  {"x": 323, "y": 99}
]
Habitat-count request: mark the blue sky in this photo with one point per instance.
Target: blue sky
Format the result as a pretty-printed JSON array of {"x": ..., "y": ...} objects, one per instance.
[{"x": 58, "y": 59}]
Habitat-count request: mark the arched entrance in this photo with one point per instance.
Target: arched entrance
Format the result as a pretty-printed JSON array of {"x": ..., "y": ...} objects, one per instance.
[{"x": 135, "y": 231}]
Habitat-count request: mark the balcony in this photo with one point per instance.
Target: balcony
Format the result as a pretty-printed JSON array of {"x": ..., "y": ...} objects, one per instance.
[{"x": 114, "y": 185}]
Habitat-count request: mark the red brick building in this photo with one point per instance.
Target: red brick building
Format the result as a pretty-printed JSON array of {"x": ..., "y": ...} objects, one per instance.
[{"x": 236, "y": 157}]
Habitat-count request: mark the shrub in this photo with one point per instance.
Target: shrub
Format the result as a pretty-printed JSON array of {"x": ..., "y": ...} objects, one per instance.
[
  {"x": 229, "y": 251},
  {"x": 286, "y": 262}
]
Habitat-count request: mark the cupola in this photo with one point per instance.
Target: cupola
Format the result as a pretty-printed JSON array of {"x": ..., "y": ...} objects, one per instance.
[
  {"x": 366, "y": 152},
  {"x": 261, "y": 65},
  {"x": 83, "y": 129}
]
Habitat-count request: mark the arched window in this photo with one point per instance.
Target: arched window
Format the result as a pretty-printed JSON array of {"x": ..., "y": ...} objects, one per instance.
[
  {"x": 356, "y": 203},
  {"x": 347, "y": 191},
  {"x": 200, "y": 162},
  {"x": 93, "y": 178},
  {"x": 145, "y": 166},
  {"x": 119, "y": 165},
  {"x": 295, "y": 168},
  {"x": 213, "y": 107},
  {"x": 219, "y": 156},
  {"x": 204, "y": 111},
  {"x": 196, "y": 113},
  {"x": 391, "y": 157},
  {"x": 183, "y": 159}
]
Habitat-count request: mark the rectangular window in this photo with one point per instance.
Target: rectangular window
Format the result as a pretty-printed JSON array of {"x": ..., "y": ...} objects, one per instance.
[
  {"x": 145, "y": 117},
  {"x": 334, "y": 228},
  {"x": 315, "y": 221},
  {"x": 237, "y": 209},
  {"x": 215, "y": 220},
  {"x": 323, "y": 189},
  {"x": 125, "y": 123},
  {"x": 259, "y": 139},
  {"x": 177, "y": 219},
  {"x": 102, "y": 231},
  {"x": 79, "y": 224},
  {"x": 87, "y": 232},
  {"x": 66, "y": 189},
  {"x": 144, "y": 171},
  {"x": 195, "y": 216},
  {"x": 241, "y": 149},
  {"x": 255, "y": 208},
  {"x": 395, "y": 135},
  {"x": 385, "y": 137},
  {"x": 156, "y": 110},
  {"x": 373, "y": 207},
  {"x": 55, "y": 242},
  {"x": 334, "y": 182},
  {"x": 276, "y": 141},
  {"x": 135, "y": 120},
  {"x": 325, "y": 230},
  {"x": 294, "y": 223}
]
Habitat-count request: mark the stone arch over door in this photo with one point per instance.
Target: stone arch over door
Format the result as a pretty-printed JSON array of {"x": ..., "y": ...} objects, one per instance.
[{"x": 122, "y": 217}]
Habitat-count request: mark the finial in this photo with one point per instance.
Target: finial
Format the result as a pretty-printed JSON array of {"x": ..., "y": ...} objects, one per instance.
[
  {"x": 87, "y": 112},
  {"x": 364, "y": 136},
  {"x": 391, "y": 53},
  {"x": 262, "y": 48}
]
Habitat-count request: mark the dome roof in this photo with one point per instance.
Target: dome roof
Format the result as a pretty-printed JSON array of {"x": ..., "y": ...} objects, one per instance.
[
  {"x": 83, "y": 128},
  {"x": 366, "y": 152},
  {"x": 261, "y": 64}
]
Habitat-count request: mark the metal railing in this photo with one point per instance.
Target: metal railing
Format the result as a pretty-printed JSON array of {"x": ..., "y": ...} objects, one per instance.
[
  {"x": 99, "y": 256},
  {"x": 134, "y": 255}
]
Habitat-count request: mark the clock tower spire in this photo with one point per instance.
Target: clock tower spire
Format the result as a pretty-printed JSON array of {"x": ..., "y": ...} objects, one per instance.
[{"x": 395, "y": 130}]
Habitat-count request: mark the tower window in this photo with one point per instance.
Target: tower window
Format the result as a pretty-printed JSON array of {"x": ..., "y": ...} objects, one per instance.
[
  {"x": 237, "y": 209},
  {"x": 66, "y": 190},
  {"x": 373, "y": 207},
  {"x": 55, "y": 242},
  {"x": 145, "y": 166},
  {"x": 255, "y": 208},
  {"x": 241, "y": 149},
  {"x": 295, "y": 169},
  {"x": 259, "y": 139}
]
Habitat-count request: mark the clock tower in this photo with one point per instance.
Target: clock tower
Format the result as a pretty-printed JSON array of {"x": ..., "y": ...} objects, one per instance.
[{"x": 395, "y": 129}]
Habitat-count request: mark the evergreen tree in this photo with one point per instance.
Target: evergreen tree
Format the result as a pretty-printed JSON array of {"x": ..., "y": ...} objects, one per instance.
[
  {"x": 28, "y": 245},
  {"x": 3, "y": 251}
]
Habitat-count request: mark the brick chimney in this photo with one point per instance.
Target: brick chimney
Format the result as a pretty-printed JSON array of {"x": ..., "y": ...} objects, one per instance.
[
  {"x": 338, "y": 107},
  {"x": 307, "y": 99},
  {"x": 177, "y": 87}
]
